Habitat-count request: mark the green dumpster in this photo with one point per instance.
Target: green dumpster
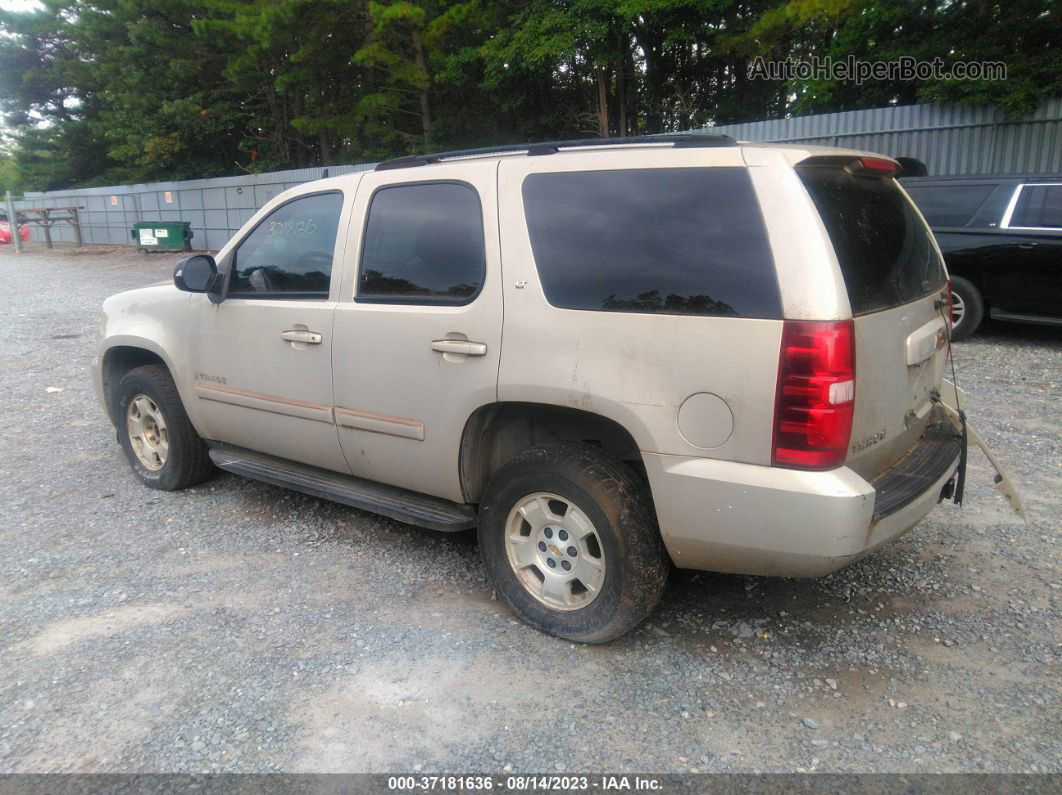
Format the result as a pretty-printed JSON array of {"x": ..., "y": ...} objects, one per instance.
[{"x": 163, "y": 235}]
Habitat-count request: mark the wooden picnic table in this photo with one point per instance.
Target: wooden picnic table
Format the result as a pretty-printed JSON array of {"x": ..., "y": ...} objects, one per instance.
[{"x": 45, "y": 217}]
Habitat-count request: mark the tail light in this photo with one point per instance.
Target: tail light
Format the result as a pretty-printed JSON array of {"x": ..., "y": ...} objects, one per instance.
[
  {"x": 872, "y": 167},
  {"x": 816, "y": 394},
  {"x": 951, "y": 310}
]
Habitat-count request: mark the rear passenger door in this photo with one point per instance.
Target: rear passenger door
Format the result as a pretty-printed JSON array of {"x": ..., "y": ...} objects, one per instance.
[
  {"x": 1032, "y": 279},
  {"x": 417, "y": 331}
]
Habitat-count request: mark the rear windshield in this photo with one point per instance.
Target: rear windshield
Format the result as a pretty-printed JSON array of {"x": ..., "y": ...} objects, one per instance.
[
  {"x": 885, "y": 251},
  {"x": 679, "y": 241}
]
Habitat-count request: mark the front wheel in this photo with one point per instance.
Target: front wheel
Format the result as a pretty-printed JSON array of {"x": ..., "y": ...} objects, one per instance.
[
  {"x": 570, "y": 540},
  {"x": 155, "y": 433}
]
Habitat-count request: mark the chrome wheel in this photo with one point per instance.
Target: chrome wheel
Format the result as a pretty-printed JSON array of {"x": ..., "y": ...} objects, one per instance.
[
  {"x": 555, "y": 551},
  {"x": 958, "y": 310},
  {"x": 147, "y": 432}
]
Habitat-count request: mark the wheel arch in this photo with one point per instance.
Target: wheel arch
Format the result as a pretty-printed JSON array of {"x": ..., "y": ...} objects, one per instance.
[
  {"x": 496, "y": 432},
  {"x": 123, "y": 356},
  {"x": 975, "y": 273}
]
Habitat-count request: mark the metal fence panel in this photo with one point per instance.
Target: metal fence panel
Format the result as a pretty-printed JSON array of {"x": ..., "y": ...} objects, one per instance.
[
  {"x": 216, "y": 207},
  {"x": 948, "y": 139}
]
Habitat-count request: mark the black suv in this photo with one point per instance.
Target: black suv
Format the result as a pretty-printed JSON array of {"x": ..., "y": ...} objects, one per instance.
[{"x": 1001, "y": 237}]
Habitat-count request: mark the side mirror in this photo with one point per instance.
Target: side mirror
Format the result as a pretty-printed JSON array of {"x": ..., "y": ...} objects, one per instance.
[{"x": 196, "y": 274}]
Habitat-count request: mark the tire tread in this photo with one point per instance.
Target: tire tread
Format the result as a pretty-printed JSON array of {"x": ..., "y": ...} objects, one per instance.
[
  {"x": 625, "y": 499},
  {"x": 192, "y": 464}
]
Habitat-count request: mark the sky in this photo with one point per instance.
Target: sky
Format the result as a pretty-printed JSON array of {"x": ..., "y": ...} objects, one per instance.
[{"x": 18, "y": 5}]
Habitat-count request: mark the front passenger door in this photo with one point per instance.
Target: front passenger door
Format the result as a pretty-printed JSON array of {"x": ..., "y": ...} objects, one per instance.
[{"x": 261, "y": 360}]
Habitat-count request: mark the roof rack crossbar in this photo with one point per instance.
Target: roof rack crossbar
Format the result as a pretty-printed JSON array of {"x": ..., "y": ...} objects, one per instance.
[{"x": 678, "y": 141}]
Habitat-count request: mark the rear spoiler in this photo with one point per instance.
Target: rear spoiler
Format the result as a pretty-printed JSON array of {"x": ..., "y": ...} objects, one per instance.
[
  {"x": 912, "y": 167},
  {"x": 856, "y": 165}
]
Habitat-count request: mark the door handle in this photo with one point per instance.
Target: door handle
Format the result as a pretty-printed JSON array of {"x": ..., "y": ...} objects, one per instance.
[
  {"x": 460, "y": 346},
  {"x": 301, "y": 335},
  {"x": 1027, "y": 246}
]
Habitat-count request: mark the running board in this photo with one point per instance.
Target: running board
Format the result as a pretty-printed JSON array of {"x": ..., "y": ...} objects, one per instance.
[
  {"x": 395, "y": 503},
  {"x": 1017, "y": 317}
]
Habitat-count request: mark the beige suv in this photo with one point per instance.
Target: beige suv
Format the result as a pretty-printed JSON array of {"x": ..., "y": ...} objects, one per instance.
[{"x": 608, "y": 356}]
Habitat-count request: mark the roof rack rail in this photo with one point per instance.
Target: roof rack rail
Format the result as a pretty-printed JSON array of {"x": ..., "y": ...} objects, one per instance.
[{"x": 678, "y": 141}]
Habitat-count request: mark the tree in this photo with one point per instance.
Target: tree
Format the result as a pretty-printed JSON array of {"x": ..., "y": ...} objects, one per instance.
[
  {"x": 288, "y": 61},
  {"x": 1024, "y": 34},
  {"x": 103, "y": 91}
]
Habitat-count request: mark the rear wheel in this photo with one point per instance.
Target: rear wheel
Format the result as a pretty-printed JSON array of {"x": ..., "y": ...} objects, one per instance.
[
  {"x": 569, "y": 538},
  {"x": 155, "y": 433},
  {"x": 967, "y": 308}
]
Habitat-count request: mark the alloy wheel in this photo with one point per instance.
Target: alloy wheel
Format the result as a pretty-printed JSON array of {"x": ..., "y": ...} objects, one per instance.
[{"x": 555, "y": 551}]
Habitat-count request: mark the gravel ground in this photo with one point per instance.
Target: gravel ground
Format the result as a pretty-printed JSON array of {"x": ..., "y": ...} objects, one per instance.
[{"x": 241, "y": 627}]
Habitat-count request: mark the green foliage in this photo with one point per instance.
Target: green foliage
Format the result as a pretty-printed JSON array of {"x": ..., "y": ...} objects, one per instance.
[
  {"x": 103, "y": 91},
  {"x": 10, "y": 177}
]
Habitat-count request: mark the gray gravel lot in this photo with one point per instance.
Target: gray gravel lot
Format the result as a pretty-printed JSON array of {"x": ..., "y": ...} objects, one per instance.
[{"x": 241, "y": 627}]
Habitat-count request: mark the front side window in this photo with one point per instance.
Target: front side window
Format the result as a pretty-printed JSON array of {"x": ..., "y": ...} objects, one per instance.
[
  {"x": 1039, "y": 206},
  {"x": 677, "y": 241},
  {"x": 289, "y": 254},
  {"x": 423, "y": 245}
]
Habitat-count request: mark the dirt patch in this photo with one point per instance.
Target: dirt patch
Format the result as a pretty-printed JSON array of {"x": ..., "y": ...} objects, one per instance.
[{"x": 67, "y": 632}]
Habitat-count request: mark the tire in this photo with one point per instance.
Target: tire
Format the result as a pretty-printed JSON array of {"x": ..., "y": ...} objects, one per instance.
[
  {"x": 595, "y": 490},
  {"x": 171, "y": 455},
  {"x": 967, "y": 299}
]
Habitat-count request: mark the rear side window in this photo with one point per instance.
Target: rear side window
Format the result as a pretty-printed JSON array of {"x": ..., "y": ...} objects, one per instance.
[
  {"x": 423, "y": 245},
  {"x": 884, "y": 249},
  {"x": 949, "y": 205},
  {"x": 1038, "y": 206},
  {"x": 688, "y": 241}
]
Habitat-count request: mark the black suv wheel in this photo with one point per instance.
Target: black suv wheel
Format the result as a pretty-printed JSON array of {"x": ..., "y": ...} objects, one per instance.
[{"x": 967, "y": 308}]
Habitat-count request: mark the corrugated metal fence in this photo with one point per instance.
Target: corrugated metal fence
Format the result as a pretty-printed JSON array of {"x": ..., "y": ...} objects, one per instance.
[
  {"x": 948, "y": 139},
  {"x": 216, "y": 208}
]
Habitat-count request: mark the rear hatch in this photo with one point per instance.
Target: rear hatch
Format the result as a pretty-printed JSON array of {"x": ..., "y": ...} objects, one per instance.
[{"x": 897, "y": 289}]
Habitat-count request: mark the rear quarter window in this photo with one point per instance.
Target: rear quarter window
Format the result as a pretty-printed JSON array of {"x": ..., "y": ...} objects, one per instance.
[
  {"x": 949, "y": 205},
  {"x": 885, "y": 251},
  {"x": 688, "y": 241}
]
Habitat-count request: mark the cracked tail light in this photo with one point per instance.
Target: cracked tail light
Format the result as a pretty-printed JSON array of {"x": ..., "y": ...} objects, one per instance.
[{"x": 816, "y": 394}]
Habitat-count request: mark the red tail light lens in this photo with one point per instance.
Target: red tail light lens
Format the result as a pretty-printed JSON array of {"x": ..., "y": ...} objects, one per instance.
[
  {"x": 816, "y": 394},
  {"x": 951, "y": 310}
]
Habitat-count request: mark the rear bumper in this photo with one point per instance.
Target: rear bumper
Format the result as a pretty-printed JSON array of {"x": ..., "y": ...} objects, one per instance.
[{"x": 747, "y": 519}]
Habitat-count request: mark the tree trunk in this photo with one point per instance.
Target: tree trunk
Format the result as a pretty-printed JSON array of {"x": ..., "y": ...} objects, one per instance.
[
  {"x": 621, "y": 80},
  {"x": 302, "y": 159},
  {"x": 326, "y": 148},
  {"x": 602, "y": 102},
  {"x": 422, "y": 66},
  {"x": 652, "y": 88},
  {"x": 632, "y": 99}
]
